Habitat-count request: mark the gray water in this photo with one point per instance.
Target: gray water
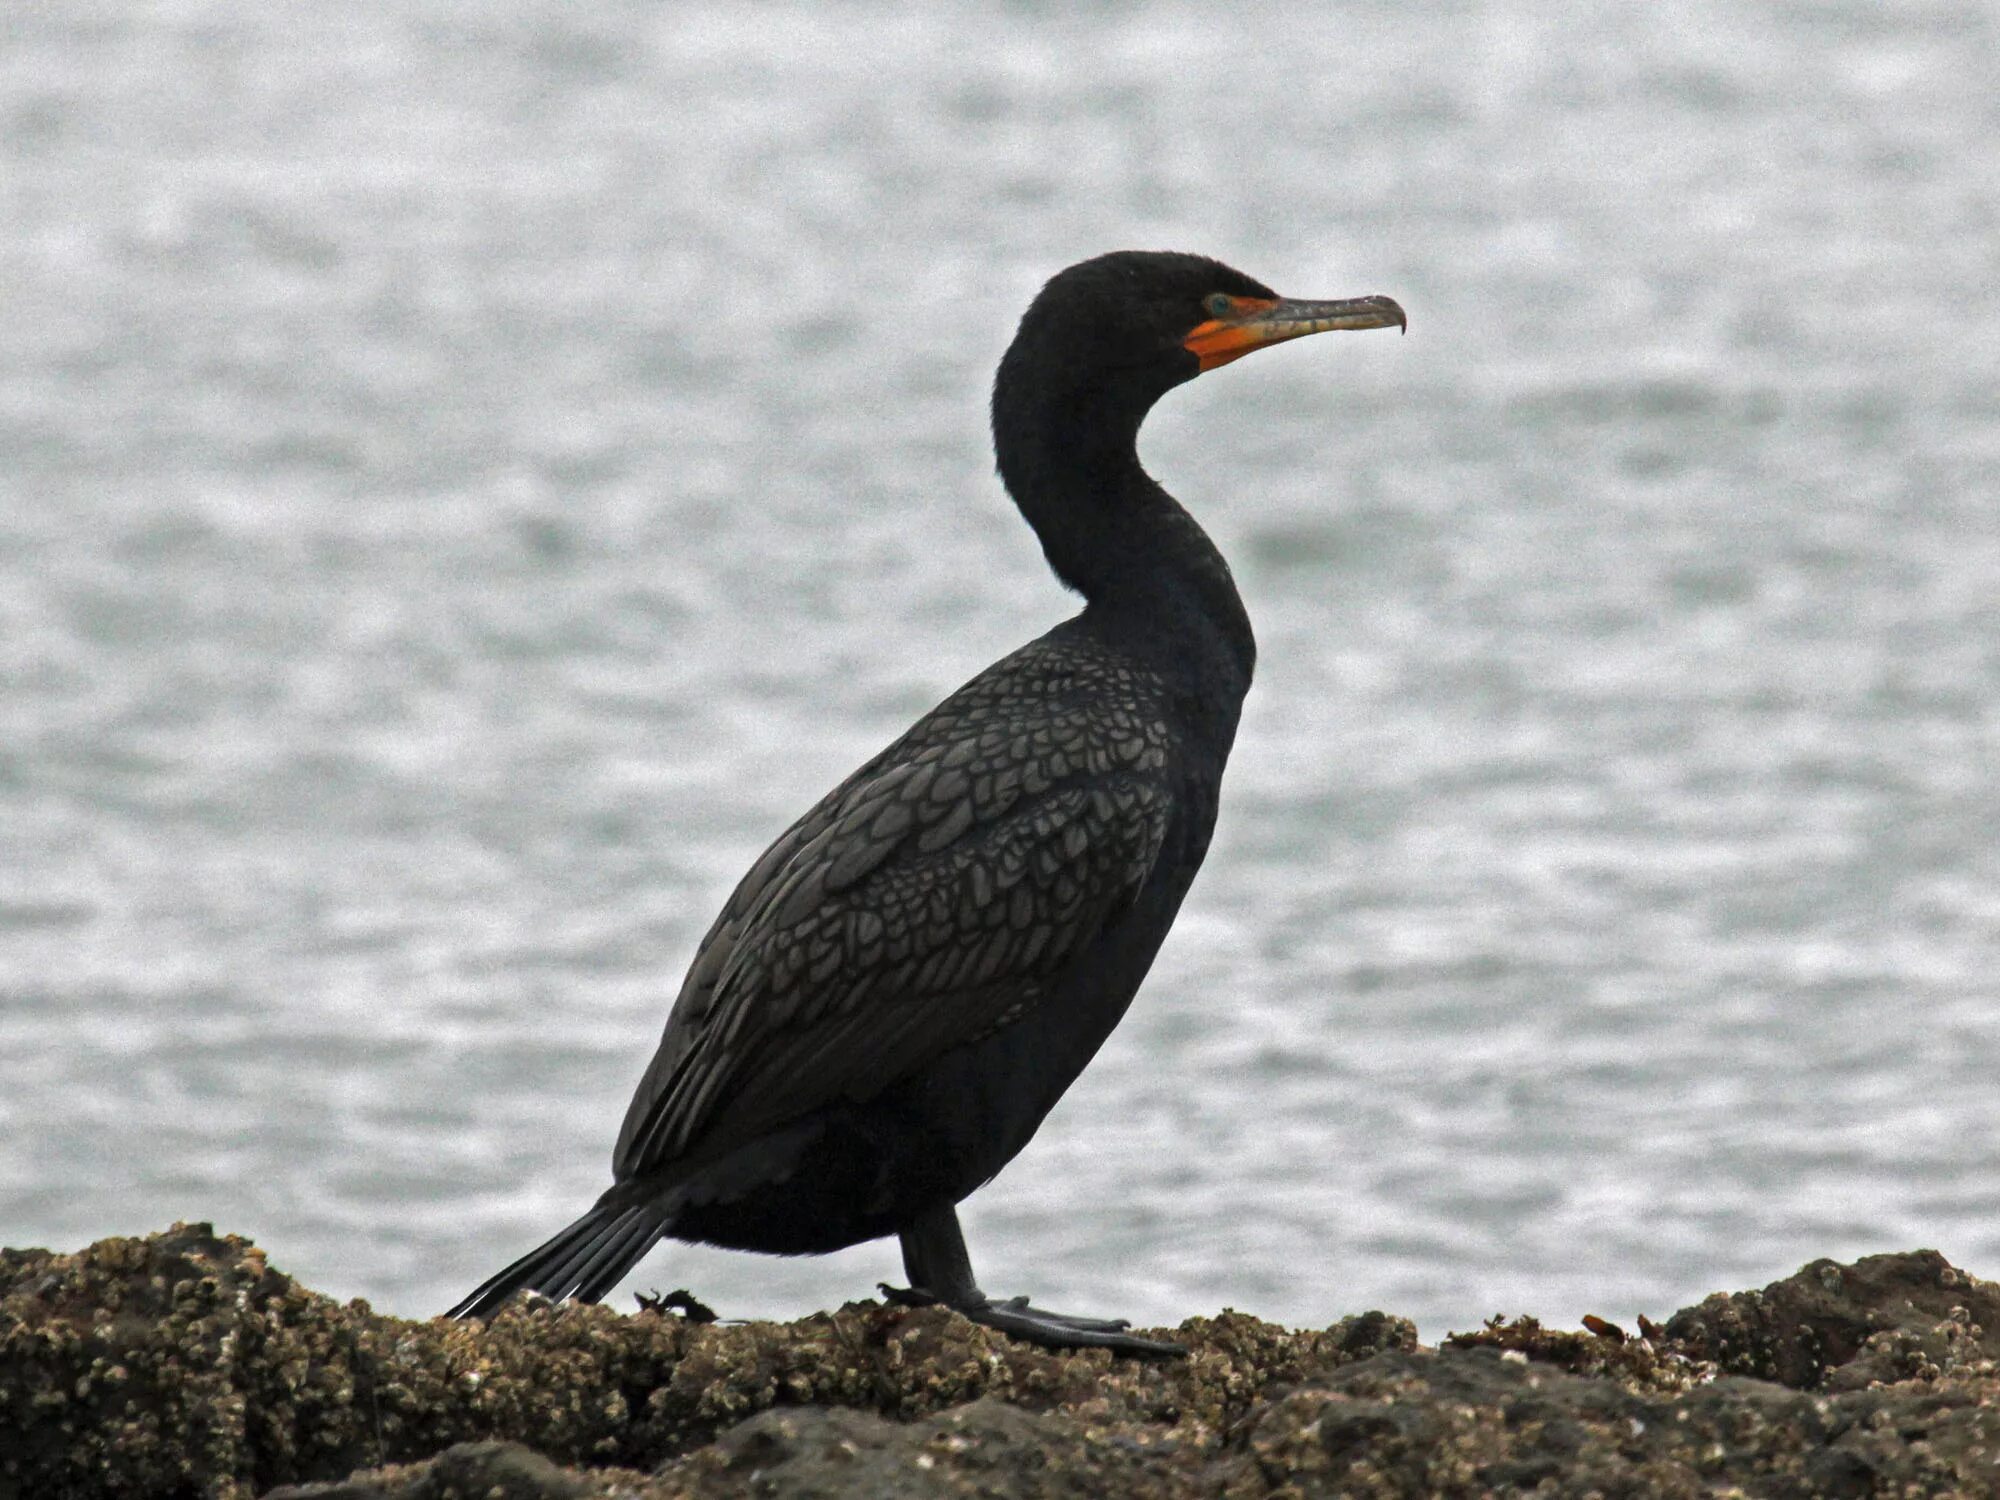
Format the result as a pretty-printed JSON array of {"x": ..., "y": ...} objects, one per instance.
[{"x": 469, "y": 477}]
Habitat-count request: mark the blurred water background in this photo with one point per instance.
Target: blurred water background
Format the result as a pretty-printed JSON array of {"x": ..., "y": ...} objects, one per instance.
[{"x": 470, "y": 476}]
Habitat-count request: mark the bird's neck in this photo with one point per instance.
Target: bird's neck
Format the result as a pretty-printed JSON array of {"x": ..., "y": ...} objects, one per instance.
[{"x": 1151, "y": 576}]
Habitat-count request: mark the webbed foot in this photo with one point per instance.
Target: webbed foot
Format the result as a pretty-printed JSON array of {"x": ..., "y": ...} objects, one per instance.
[{"x": 1016, "y": 1318}]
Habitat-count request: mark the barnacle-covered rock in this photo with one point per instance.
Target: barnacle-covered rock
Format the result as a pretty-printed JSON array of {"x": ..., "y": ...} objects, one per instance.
[{"x": 183, "y": 1364}]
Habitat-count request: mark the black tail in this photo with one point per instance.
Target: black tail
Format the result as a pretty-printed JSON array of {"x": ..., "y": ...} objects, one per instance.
[{"x": 583, "y": 1261}]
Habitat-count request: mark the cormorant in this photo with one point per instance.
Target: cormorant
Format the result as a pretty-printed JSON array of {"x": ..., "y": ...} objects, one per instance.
[{"x": 910, "y": 977}]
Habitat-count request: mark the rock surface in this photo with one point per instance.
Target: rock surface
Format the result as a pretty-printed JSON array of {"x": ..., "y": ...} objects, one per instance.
[{"x": 183, "y": 1365}]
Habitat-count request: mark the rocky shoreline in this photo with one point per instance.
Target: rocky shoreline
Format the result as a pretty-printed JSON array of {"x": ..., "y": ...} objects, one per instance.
[{"x": 181, "y": 1364}]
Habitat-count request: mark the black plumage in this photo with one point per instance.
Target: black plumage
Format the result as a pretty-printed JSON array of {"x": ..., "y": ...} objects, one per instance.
[{"x": 905, "y": 983}]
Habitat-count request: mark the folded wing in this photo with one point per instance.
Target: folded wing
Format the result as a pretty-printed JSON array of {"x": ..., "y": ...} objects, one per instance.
[{"x": 917, "y": 908}]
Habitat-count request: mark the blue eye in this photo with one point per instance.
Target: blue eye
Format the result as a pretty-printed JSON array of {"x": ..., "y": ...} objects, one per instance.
[{"x": 1219, "y": 304}]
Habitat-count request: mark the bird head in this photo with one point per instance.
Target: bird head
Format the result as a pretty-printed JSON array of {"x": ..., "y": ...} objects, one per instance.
[{"x": 1119, "y": 331}]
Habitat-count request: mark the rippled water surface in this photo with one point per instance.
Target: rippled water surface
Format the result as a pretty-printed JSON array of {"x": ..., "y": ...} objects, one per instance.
[{"x": 469, "y": 478}]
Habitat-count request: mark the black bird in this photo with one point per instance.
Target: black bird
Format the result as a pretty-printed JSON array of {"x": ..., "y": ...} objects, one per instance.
[{"x": 910, "y": 977}]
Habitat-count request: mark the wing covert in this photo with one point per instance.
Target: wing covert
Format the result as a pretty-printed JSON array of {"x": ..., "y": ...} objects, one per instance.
[{"x": 918, "y": 907}]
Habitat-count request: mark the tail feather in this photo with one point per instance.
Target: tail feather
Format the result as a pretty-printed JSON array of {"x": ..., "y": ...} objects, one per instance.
[
  {"x": 583, "y": 1261},
  {"x": 622, "y": 1250}
]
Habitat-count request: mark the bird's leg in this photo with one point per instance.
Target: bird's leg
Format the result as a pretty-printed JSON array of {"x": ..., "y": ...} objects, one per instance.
[
  {"x": 940, "y": 1271},
  {"x": 934, "y": 1259}
]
